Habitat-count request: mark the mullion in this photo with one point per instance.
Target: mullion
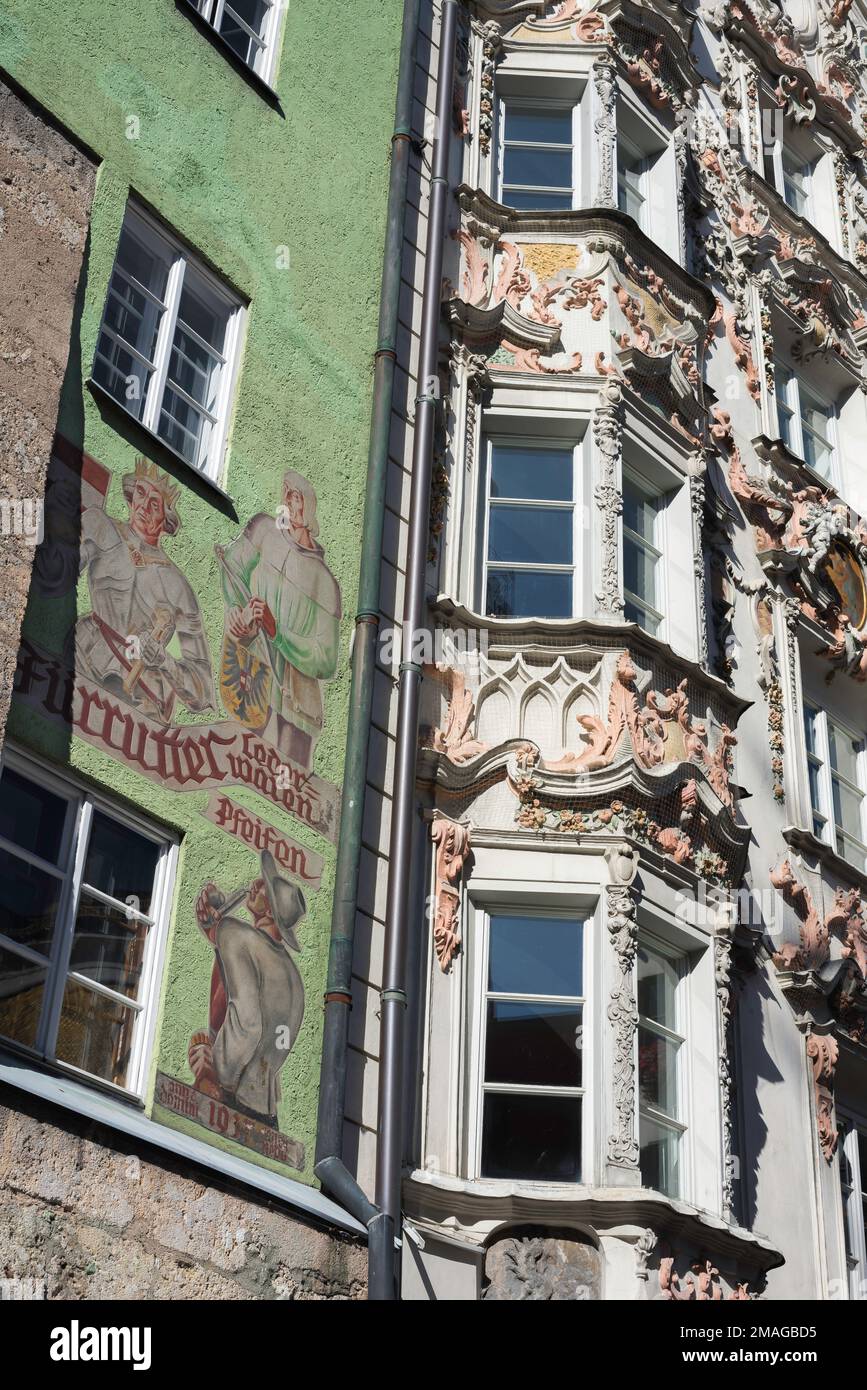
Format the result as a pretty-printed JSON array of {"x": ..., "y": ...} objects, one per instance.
[
  {"x": 127, "y": 347},
  {"x": 190, "y": 401},
  {"x": 256, "y": 38},
  {"x": 129, "y": 912}
]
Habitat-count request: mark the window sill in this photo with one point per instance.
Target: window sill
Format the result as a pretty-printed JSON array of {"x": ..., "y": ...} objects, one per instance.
[
  {"x": 468, "y": 1202},
  {"x": 128, "y": 1119},
  {"x": 265, "y": 90},
  {"x": 189, "y": 473}
]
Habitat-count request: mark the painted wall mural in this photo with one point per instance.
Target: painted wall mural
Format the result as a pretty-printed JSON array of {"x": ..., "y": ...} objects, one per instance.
[{"x": 132, "y": 677}]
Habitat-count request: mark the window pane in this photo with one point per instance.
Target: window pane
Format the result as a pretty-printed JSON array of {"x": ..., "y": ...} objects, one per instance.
[
  {"x": 536, "y": 955},
  {"x": 22, "y": 987},
  {"x": 657, "y": 985},
  {"x": 28, "y": 903},
  {"x": 844, "y": 752},
  {"x": 95, "y": 1033},
  {"x": 30, "y": 816},
  {"x": 660, "y": 1156},
  {"x": 533, "y": 1137},
  {"x": 633, "y": 613},
  {"x": 811, "y": 728},
  {"x": 544, "y": 474},
  {"x": 132, "y": 316},
  {"x": 108, "y": 946},
  {"x": 639, "y": 510},
  {"x": 847, "y": 809},
  {"x": 814, "y": 773},
  {"x": 539, "y": 168},
  {"x": 121, "y": 374},
  {"x": 145, "y": 260},
  {"x": 181, "y": 426},
  {"x": 121, "y": 863},
  {"x": 657, "y": 1071},
  {"x": 540, "y": 127},
  {"x": 538, "y": 202},
  {"x": 530, "y": 535},
  {"x": 533, "y": 1044},
  {"x": 639, "y": 571},
  {"x": 527, "y": 594}
]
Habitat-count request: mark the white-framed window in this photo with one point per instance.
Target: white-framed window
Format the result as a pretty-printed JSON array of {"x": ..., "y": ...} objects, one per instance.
[
  {"x": 643, "y": 574},
  {"x": 537, "y": 153},
  {"x": 532, "y": 1083},
  {"x": 249, "y": 27},
  {"x": 797, "y": 176},
  {"x": 806, "y": 422},
  {"x": 660, "y": 978},
  {"x": 531, "y": 541},
  {"x": 84, "y": 902},
  {"x": 168, "y": 344},
  {"x": 837, "y": 770},
  {"x": 853, "y": 1185},
  {"x": 632, "y": 177}
]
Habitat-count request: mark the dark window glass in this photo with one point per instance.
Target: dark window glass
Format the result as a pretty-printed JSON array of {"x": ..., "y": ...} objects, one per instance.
[
  {"x": 534, "y": 1137},
  {"x": 538, "y": 168},
  {"x": 95, "y": 1033},
  {"x": 22, "y": 986},
  {"x": 541, "y": 127},
  {"x": 544, "y": 474},
  {"x": 121, "y": 863},
  {"x": 28, "y": 903},
  {"x": 536, "y": 955},
  {"x": 31, "y": 817},
  {"x": 528, "y": 593},
  {"x": 533, "y": 1044},
  {"x": 108, "y": 946},
  {"x": 530, "y": 535}
]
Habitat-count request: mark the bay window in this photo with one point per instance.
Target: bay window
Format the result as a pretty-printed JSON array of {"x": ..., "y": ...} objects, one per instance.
[
  {"x": 642, "y": 555},
  {"x": 838, "y": 785},
  {"x": 806, "y": 422},
  {"x": 532, "y": 1046},
  {"x": 660, "y": 1050},
  {"x": 168, "y": 343},
  {"x": 537, "y": 154},
  {"x": 84, "y": 894},
  {"x": 530, "y": 543},
  {"x": 853, "y": 1186}
]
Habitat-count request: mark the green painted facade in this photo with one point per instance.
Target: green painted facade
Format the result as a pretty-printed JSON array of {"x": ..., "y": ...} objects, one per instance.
[{"x": 286, "y": 202}]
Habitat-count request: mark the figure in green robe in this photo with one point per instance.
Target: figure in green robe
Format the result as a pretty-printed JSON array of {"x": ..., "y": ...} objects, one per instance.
[{"x": 282, "y": 624}]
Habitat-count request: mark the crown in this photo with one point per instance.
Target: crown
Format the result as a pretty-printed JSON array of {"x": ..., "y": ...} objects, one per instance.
[{"x": 161, "y": 481}]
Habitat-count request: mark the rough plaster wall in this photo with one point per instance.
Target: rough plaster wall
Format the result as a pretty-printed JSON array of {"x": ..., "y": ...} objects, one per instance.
[
  {"x": 46, "y": 190},
  {"x": 363, "y": 1067},
  {"x": 93, "y": 1218}
]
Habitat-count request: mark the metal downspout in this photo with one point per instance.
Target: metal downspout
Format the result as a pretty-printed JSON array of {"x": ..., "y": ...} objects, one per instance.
[
  {"x": 390, "y": 1125},
  {"x": 329, "y": 1167}
]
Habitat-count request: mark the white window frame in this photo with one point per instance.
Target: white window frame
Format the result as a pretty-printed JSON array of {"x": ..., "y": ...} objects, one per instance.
[
  {"x": 148, "y": 230},
  {"x": 483, "y": 910},
  {"x": 852, "y": 1198},
  {"x": 539, "y": 103},
  {"x": 789, "y": 387},
  {"x": 658, "y": 544},
  {"x": 263, "y": 65},
  {"x": 81, "y": 804},
  {"x": 490, "y": 441},
  {"x": 682, "y": 965},
  {"x": 821, "y": 761}
]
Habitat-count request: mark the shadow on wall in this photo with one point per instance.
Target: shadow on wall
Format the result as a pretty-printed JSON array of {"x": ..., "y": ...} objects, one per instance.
[{"x": 753, "y": 1063}]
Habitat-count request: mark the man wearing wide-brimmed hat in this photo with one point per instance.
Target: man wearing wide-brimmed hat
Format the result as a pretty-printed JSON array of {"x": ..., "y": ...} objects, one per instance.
[
  {"x": 257, "y": 994},
  {"x": 140, "y": 602}
]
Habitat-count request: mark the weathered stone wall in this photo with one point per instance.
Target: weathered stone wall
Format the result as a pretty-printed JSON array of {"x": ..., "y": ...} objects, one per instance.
[
  {"x": 93, "y": 1215},
  {"x": 46, "y": 191}
]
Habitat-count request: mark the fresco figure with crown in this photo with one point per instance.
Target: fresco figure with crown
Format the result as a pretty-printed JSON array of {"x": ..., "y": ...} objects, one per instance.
[{"x": 143, "y": 639}]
